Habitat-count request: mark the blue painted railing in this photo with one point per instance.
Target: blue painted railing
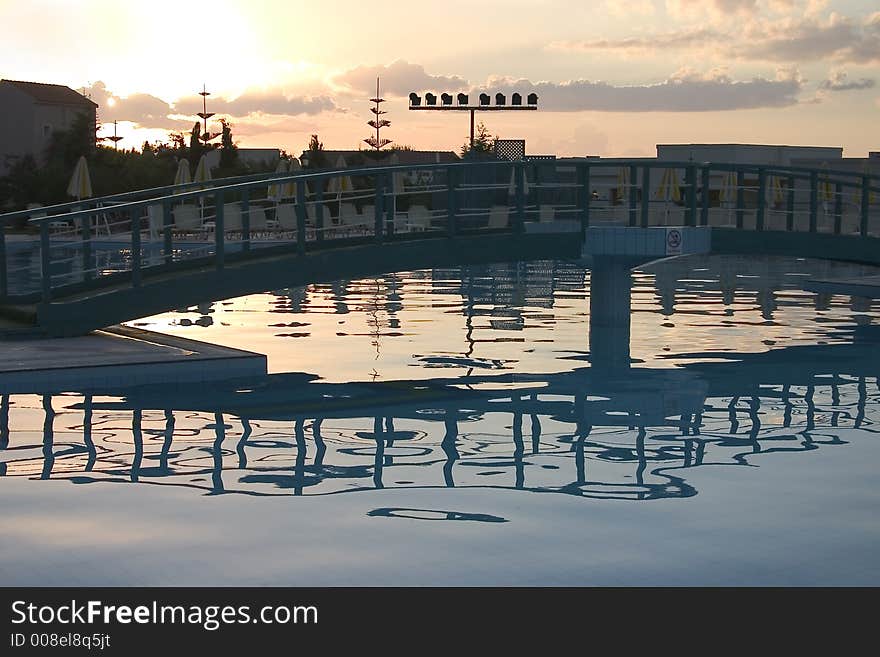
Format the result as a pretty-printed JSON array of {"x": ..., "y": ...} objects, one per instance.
[{"x": 129, "y": 236}]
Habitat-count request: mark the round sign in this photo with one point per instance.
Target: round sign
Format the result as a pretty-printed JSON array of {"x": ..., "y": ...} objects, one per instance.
[{"x": 673, "y": 239}]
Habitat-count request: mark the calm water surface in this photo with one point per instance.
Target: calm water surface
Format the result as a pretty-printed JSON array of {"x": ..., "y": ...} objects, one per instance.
[{"x": 457, "y": 426}]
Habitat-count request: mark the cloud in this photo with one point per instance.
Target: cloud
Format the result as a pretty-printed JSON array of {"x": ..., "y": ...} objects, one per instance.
[
  {"x": 684, "y": 91},
  {"x": 267, "y": 101},
  {"x": 722, "y": 7},
  {"x": 145, "y": 110},
  {"x": 398, "y": 78},
  {"x": 839, "y": 82},
  {"x": 805, "y": 38}
]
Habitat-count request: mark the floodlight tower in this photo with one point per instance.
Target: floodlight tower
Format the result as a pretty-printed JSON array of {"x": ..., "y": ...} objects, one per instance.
[{"x": 378, "y": 123}]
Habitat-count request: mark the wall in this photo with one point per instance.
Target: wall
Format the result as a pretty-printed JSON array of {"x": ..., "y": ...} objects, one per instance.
[{"x": 16, "y": 127}]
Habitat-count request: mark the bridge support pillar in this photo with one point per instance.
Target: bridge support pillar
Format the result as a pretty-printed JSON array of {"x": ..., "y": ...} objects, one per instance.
[{"x": 610, "y": 310}]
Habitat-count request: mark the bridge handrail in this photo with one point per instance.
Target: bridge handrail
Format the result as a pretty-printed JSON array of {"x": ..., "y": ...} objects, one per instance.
[
  {"x": 241, "y": 183},
  {"x": 98, "y": 201}
]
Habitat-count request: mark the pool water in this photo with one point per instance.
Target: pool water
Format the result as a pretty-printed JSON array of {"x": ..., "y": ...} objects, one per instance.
[{"x": 459, "y": 427}]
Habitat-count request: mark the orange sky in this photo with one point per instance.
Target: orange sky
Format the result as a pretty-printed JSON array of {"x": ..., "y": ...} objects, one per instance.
[{"x": 612, "y": 80}]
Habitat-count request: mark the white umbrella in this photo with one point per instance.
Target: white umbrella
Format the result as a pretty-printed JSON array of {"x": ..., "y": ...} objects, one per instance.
[
  {"x": 337, "y": 185},
  {"x": 728, "y": 191},
  {"x": 511, "y": 189},
  {"x": 669, "y": 189},
  {"x": 183, "y": 176},
  {"x": 398, "y": 180},
  {"x": 202, "y": 175},
  {"x": 80, "y": 185},
  {"x": 289, "y": 188},
  {"x": 622, "y": 183},
  {"x": 203, "y": 171},
  {"x": 276, "y": 190}
]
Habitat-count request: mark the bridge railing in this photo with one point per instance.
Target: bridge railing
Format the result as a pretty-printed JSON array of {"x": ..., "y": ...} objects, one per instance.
[{"x": 210, "y": 225}]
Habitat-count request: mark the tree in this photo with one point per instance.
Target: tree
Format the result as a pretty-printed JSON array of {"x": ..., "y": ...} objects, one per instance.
[
  {"x": 228, "y": 150},
  {"x": 484, "y": 142},
  {"x": 317, "y": 157},
  {"x": 195, "y": 144}
]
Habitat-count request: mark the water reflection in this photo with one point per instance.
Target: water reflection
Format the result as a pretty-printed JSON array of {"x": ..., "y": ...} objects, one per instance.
[
  {"x": 576, "y": 433},
  {"x": 737, "y": 364}
]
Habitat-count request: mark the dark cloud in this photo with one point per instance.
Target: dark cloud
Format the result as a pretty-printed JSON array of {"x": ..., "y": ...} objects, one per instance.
[
  {"x": 683, "y": 92},
  {"x": 839, "y": 82},
  {"x": 398, "y": 78},
  {"x": 264, "y": 101},
  {"x": 808, "y": 38}
]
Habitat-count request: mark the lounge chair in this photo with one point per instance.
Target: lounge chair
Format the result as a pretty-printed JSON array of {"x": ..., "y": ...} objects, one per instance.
[
  {"x": 155, "y": 220},
  {"x": 232, "y": 218},
  {"x": 187, "y": 219},
  {"x": 498, "y": 216},
  {"x": 418, "y": 218},
  {"x": 349, "y": 220},
  {"x": 546, "y": 213},
  {"x": 285, "y": 216}
]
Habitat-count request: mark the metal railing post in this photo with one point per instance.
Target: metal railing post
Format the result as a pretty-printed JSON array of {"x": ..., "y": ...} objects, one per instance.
[
  {"x": 450, "y": 202},
  {"x": 388, "y": 227},
  {"x": 583, "y": 181},
  {"x": 378, "y": 206},
  {"x": 704, "y": 209},
  {"x": 4, "y": 285},
  {"x": 740, "y": 199},
  {"x": 692, "y": 195},
  {"x": 219, "y": 231},
  {"x": 633, "y": 195},
  {"x": 167, "y": 223},
  {"x": 519, "y": 172},
  {"x": 319, "y": 210},
  {"x": 646, "y": 195},
  {"x": 762, "y": 194},
  {"x": 246, "y": 220},
  {"x": 814, "y": 200},
  {"x": 838, "y": 208},
  {"x": 45, "y": 273},
  {"x": 789, "y": 212},
  {"x": 865, "y": 206},
  {"x": 301, "y": 216},
  {"x": 85, "y": 222},
  {"x": 136, "y": 247}
]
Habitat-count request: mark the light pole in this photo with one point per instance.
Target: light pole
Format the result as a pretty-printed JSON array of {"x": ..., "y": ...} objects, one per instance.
[
  {"x": 516, "y": 104},
  {"x": 205, "y": 114},
  {"x": 115, "y": 138}
]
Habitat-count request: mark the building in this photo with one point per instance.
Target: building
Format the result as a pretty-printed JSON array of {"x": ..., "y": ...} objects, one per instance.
[
  {"x": 747, "y": 153},
  {"x": 362, "y": 158},
  {"x": 265, "y": 159},
  {"x": 31, "y": 112}
]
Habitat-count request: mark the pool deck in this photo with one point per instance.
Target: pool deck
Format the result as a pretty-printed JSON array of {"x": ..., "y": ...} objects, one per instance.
[
  {"x": 860, "y": 286},
  {"x": 116, "y": 358}
]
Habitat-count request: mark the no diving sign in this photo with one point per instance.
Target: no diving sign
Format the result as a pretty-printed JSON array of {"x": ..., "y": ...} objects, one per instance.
[{"x": 674, "y": 239}]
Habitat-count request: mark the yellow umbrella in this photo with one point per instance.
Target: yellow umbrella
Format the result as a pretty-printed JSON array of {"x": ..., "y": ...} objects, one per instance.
[
  {"x": 728, "y": 188},
  {"x": 339, "y": 184},
  {"x": 777, "y": 193},
  {"x": 669, "y": 189},
  {"x": 183, "y": 176},
  {"x": 276, "y": 190},
  {"x": 622, "y": 182},
  {"x": 80, "y": 185},
  {"x": 289, "y": 189},
  {"x": 203, "y": 171}
]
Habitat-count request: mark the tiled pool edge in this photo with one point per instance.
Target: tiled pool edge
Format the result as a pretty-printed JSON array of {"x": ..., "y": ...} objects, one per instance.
[{"x": 208, "y": 362}]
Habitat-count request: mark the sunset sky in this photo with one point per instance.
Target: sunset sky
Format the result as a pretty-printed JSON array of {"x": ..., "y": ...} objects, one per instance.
[{"x": 612, "y": 81}]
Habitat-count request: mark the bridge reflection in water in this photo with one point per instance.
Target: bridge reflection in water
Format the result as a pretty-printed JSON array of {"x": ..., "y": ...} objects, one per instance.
[{"x": 611, "y": 430}]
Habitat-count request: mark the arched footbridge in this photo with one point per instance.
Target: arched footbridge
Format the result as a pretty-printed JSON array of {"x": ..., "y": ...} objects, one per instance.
[{"x": 72, "y": 268}]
